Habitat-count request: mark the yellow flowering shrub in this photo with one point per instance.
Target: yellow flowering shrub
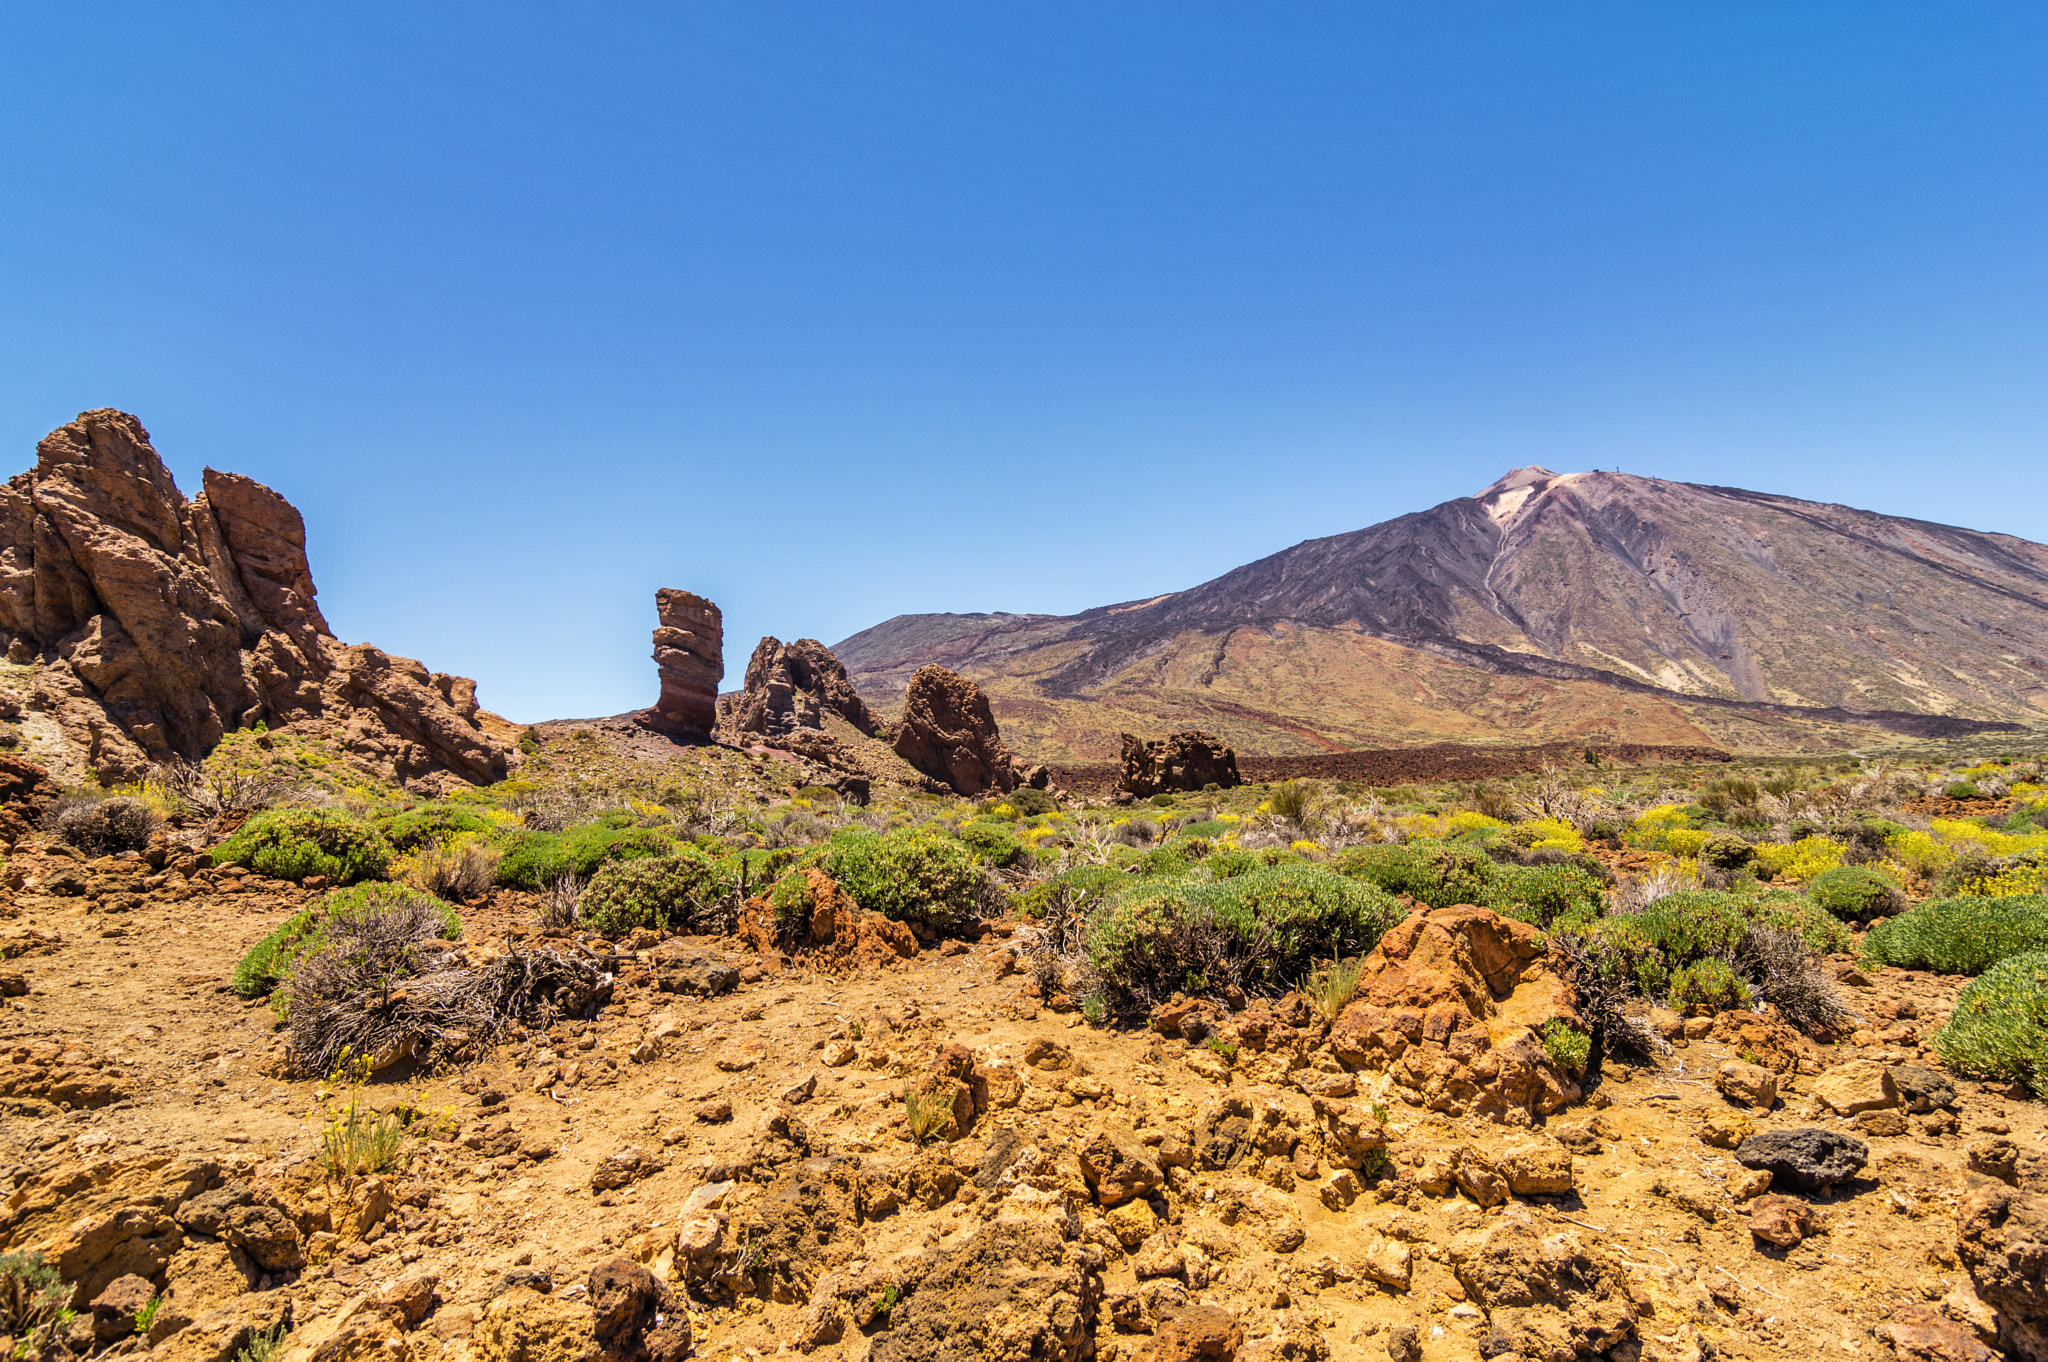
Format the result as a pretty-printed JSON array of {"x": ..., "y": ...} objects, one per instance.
[
  {"x": 1304, "y": 846},
  {"x": 1554, "y": 834},
  {"x": 1802, "y": 860},
  {"x": 1920, "y": 853},
  {"x": 1471, "y": 820},
  {"x": 1685, "y": 841},
  {"x": 1997, "y": 843},
  {"x": 2019, "y": 879}
]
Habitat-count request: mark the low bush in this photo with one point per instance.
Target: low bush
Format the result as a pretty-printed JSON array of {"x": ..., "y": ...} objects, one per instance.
[
  {"x": 1708, "y": 985},
  {"x": 414, "y": 828},
  {"x": 1772, "y": 939},
  {"x": 1999, "y": 1028},
  {"x": 1855, "y": 894},
  {"x": 1569, "y": 1048},
  {"x": 1542, "y": 894},
  {"x": 1726, "y": 851},
  {"x": 1961, "y": 935},
  {"x": 103, "y": 827},
  {"x": 270, "y": 961},
  {"x": 295, "y": 844},
  {"x": 458, "y": 870},
  {"x": 1435, "y": 873},
  {"x": 909, "y": 874},
  {"x": 1961, "y": 789},
  {"x": 1294, "y": 914},
  {"x": 995, "y": 845},
  {"x": 34, "y": 1301},
  {"x": 534, "y": 860},
  {"x": 683, "y": 889},
  {"x": 1030, "y": 803}
]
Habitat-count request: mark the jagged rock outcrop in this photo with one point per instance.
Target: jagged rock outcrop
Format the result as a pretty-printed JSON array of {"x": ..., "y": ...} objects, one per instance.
[
  {"x": 949, "y": 733},
  {"x": 689, "y": 651},
  {"x": 159, "y": 624},
  {"x": 1189, "y": 760},
  {"x": 792, "y": 686},
  {"x": 1451, "y": 1006}
]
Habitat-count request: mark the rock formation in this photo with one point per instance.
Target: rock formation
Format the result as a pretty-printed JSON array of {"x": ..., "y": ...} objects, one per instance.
[
  {"x": 792, "y": 686},
  {"x": 1189, "y": 760},
  {"x": 159, "y": 624},
  {"x": 1450, "y": 1006},
  {"x": 689, "y": 650},
  {"x": 948, "y": 733}
]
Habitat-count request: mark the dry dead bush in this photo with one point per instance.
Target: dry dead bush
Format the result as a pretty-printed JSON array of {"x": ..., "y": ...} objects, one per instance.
[
  {"x": 457, "y": 873},
  {"x": 557, "y": 908},
  {"x": 1554, "y": 796},
  {"x": 210, "y": 792},
  {"x": 1782, "y": 971}
]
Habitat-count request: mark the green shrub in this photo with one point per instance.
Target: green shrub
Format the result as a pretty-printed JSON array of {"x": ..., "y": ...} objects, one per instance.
[
  {"x": 1168, "y": 861},
  {"x": 1224, "y": 865},
  {"x": 1727, "y": 851},
  {"x": 1290, "y": 798},
  {"x": 534, "y": 860},
  {"x": 1435, "y": 873},
  {"x": 909, "y": 874},
  {"x": 293, "y": 844},
  {"x": 1299, "y": 913},
  {"x": 1030, "y": 803},
  {"x": 1541, "y": 894},
  {"x": 414, "y": 828},
  {"x": 1568, "y": 1047},
  {"x": 269, "y": 962},
  {"x": 1645, "y": 950},
  {"x": 1209, "y": 828},
  {"x": 34, "y": 1299},
  {"x": 1961, "y": 789},
  {"x": 1076, "y": 890},
  {"x": 1961, "y": 935},
  {"x": 1855, "y": 894},
  {"x": 995, "y": 844},
  {"x": 680, "y": 890},
  {"x": 1999, "y": 1028},
  {"x": 1707, "y": 985}
]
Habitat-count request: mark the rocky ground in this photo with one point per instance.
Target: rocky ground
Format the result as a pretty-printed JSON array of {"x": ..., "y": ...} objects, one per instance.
[{"x": 734, "y": 1122}]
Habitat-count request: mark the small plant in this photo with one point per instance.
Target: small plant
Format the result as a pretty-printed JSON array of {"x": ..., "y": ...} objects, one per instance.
[
  {"x": 557, "y": 911},
  {"x": 930, "y": 1114},
  {"x": 1225, "y": 1048},
  {"x": 103, "y": 827},
  {"x": 1290, "y": 799},
  {"x": 292, "y": 844},
  {"x": 32, "y": 1300},
  {"x": 1095, "y": 1009},
  {"x": 1961, "y": 789},
  {"x": 357, "y": 1140},
  {"x": 1752, "y": 1057},
  {"x": 1373, "y": 1165},
  {"x": 1568, "y": 1047},
  {"x": 146, "y": 1316},
  {"x": 1707, "y": 986},
  {"x": 891, "y": 1297},
  {"x": 263, "y": 1344},
  {"x": 1380, "y": 1113},
  {"x": 1331, "y": 988},
  {"x": 1855, "y": 894},
  {"x": 856, "y": 1030}
]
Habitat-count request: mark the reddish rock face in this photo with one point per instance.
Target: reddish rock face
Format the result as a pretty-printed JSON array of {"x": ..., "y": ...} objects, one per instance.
[
  {"x": 949, "y": 734},
  {"x": 791, "y": 686},
  {"x": 689, "y": 650},
  {"x": 160, "y": 624},
  {"x": 1189, "y": 760}
]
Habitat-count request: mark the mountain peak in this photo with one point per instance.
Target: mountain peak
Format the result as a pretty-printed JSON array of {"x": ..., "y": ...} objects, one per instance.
[{"x": 1515, "y": 479}]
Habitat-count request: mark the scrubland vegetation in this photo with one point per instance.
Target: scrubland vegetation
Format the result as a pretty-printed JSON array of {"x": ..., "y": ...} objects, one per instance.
[{"x": 1699, "y": 889}]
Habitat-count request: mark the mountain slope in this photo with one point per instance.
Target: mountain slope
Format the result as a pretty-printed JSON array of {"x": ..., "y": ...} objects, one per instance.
[{"x": 1724, "y": 612}]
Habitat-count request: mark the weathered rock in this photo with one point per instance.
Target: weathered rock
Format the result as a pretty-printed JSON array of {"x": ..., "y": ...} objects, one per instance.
[
  {"x": 234, "y": 1214},
  {"x": 689, "y": 653},
  {"x": 1536, "y": 1168},
  {"x": 1921, "y": 1333},
  {"x": 525, "y": 1326},
  {"x": 1808, "y": 1159},
  {"x": 621, "y": 1169},
  {"x": 829, "y": 929},
  {"x": 2002, "y": 1239},
  {"x": 221, "y": 1334},
  {"x": 1188, "y": 760},
  {"x": 163, "y": 623},
  {"x": 1450, "y": 1005},
  {"x": 1118, "y": 1167},
  {"x": 1923, "y": 1090},
  {"x": 1404, "y": 1343},
  {"x": 792, "y": 686},
  {"x": 636, "y": 1318},
  {"x": 1782, "y": 1220},
  {"x": 1750, "y": 1084},
  {"x": 949, "y": 733},
  {"x": 1011, "y": 1290},
  {"x": 1862, "y": 1085},
  {"x": 1553, "y": 1297},
  {"x": 1196, "y": 1333},
  {"x": 114, "y": 1309},
  {"x": 408, "y": 1300}
]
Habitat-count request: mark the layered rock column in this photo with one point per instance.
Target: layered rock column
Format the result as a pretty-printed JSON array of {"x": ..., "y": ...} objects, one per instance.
[{"x": 689, "y": 650}]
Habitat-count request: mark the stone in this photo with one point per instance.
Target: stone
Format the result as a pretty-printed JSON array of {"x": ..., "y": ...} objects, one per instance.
[
  {"x": 621, "y": 1169},
  {"x": 1117, "y": 1167},
  {"x": 1997, "y": 1158},
  {"x": 114, "y": 1309},
  {"x": 1132, "y": 1223},
  {"x": 1540, "y": 1288},
  {"x": 1724, "y": 1129},
  {"x": 635, "y": 1315},
  {"x": 408, "y": 1300},
  {"x": 949, "y": 733},
  {"x": 359, "y": 1332},
  {"x": 524, "y": 1325},
  {"x": 1389, "y": 1262},
  {"x": 1450, "y": 1006},
  {"x": 234, "y": 1214},
  {"x": 1923, "y": 1090},
  {"x": 1268, "y": 1215},
  {"x": 1782, "y": 1220},
  {"x": 1011, "y": 1289},
  {"x": 220, "y": 1335},
  {"x": 689, "y": 655},
  {"x": 2002, "y": 1240},
  {"x": 1196, "y": 1333},
  {"x": 1536, "y": 1168},
  {"x": 1808, "y": 1159},
  {"x": 1188, "y": 760},
  {"x": 1921, "y": 1333},
  {"x": 1885, "y": 1121},
  {"x": 1404, "y": 1343},
  {"x": 163, "y": 624},
  {"x": 1862, "y": 1085},
  {"x": 1750, "y": 1084}
]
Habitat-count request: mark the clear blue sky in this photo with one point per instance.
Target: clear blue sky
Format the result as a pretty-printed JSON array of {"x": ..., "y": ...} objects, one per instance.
[{"x": 833, "y": 312}]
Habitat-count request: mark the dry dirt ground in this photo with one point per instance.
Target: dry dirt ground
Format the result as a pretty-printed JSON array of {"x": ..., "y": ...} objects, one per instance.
[{"x": 132, "y": 1076}]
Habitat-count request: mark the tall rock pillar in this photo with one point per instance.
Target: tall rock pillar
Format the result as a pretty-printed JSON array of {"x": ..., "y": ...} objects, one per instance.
[{"x": 689, "y": 650}]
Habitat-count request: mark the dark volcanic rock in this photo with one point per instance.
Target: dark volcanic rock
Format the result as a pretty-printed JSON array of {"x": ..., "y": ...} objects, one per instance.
[
  {"x": 1805, "y": 1160},
  {"x": 160, "y": 624},
  {"x": 949, "y": 734},
  {"x": 689, "y": 651},
  {"x": 1189, "y": 760}
]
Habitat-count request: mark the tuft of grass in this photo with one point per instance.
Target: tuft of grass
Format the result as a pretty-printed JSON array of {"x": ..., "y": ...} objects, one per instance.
[
  {"x": 929, "y": 1113},
  {"x": 1331, "y": 988},
  {"x": 146, "y": 1316},
  {"x": 263, "y": 1345},
  {"x": 358, "y": 1140}
]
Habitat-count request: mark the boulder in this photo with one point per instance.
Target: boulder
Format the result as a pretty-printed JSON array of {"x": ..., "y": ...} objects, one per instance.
[
  {"x": 636, "y": 1317},
  {"x": 114, "y": 1309},
  {"x": 1188, "y": 760},
  {"x": 163, "y": 623},
  {"x": 1010, "y": 1290},
  {"x": 234, "y": 1214},
  {"x": 1923, "y": 1090},
  {"x": 1117, "y": 1167},
  {"x": 949, "y": 733},
  {"x": 525, "y": 1326},
  {"x": 791, "y": 687},
  {"x": 689, "y": 654},
  {"x": 1921, "y": 1333},
  {"x": 1863, "y": 1085},
  {"x": 2002, "y": 1239},
  {"x": 1451, "y": 1007},
  {"x": 1782, "y": 1220},
  {"x": 1808, "y": 1159},
  {"x": 1552, "y": 1297},
  {"x": 1749, "y": 1084},
  {"x": 1196, "y": 1333}
]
